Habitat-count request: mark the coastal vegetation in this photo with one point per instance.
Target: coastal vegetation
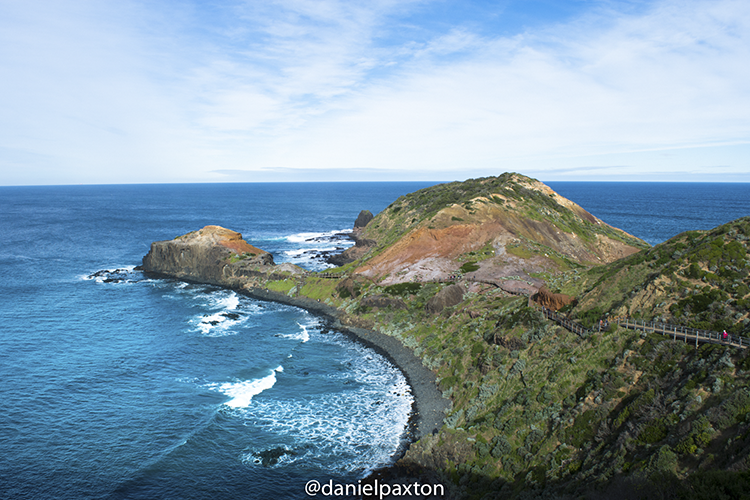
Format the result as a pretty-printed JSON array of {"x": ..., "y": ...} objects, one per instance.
[{"x": 536, "y": 409}]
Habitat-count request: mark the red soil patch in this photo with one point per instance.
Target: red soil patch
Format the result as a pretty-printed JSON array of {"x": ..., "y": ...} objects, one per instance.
[
  {"x": 551, "y": 300},
  {"x": 422, "y": 244},
  {"x": 241, "y": 246}
]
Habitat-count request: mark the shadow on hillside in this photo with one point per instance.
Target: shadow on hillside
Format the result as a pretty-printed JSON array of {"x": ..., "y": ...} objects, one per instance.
[{"x": 702, "y": 485}]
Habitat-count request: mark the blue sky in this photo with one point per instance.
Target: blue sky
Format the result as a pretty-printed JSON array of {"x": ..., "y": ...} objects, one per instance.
[{"x": 97, "y": 91}]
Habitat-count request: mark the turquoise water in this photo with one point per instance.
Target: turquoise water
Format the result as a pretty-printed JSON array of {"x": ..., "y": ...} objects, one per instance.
[{"x": 145, "y": 389}]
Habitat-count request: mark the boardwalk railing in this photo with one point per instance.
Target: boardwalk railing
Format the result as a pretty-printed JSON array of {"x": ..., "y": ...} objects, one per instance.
[
  {"x": 566, "y": 323},
  {"x": 675, "y": 331},
  {"x": 684, "y": 333},
  {"x": 333, "y": 276}
]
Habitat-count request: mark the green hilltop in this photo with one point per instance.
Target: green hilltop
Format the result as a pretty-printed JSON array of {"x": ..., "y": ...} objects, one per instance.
[
  {"x": 696, "y": 279},
  {"x": 537, "y": 409},
  {"x": 525, "y": 207}
]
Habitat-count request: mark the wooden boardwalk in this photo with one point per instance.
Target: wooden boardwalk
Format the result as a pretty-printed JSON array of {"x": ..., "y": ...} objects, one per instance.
[
  {"x": 332, "y": 276},
  {"x": 684, "y": 333},
  {"x": 563, "y": 321}
]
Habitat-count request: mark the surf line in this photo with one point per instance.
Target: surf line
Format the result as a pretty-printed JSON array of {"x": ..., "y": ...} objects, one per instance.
[{"x": 428, "y": 406}]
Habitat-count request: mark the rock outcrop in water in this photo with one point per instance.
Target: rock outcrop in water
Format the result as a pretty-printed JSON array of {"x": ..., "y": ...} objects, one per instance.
[
  {"x": 364, "y": 218},
  {"x": 213, "y": 255},
  {"x": 361, "y": 245}
]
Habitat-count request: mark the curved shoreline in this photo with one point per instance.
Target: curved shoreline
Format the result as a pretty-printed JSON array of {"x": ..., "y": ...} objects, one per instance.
[{"x": 429, "y": 405}]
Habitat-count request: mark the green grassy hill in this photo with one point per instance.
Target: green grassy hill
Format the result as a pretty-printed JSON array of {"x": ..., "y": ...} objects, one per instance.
[
  {"x": 510, "y": 220},
  {"x": 697, "y": 279},
  {"x": 538, "y": 411}
]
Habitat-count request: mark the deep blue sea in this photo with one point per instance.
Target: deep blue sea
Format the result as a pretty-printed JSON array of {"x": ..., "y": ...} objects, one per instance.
[{"x": 154, "y": 389}]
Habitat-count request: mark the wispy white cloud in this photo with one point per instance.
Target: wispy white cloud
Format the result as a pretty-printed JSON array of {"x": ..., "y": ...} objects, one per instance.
[{"x": 126, "y": 93}]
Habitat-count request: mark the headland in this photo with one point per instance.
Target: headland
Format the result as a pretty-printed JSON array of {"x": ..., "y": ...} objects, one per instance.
[
  {"x": 219, "y": 256},
  {"x": 446, "y": 281}
]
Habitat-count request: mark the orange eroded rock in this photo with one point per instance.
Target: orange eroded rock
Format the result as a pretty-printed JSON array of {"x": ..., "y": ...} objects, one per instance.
[
  {"x": 226, "y": 238},
  {"x": 423, "y": 245},
  {"x": 552, "y": 300}
]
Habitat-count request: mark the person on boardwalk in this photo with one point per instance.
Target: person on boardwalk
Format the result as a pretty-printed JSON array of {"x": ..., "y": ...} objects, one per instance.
[{"x": 725, "y": 335}]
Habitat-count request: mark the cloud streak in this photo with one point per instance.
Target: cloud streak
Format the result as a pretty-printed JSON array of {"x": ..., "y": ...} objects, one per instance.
[{"x": 125, "y": 93}]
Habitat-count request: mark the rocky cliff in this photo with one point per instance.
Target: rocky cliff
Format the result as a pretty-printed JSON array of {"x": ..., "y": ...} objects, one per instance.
[{"x": 211, "y": 255}]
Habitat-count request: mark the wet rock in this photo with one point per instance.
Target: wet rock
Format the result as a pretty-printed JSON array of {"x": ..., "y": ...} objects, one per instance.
[{"x": 271, "y": 457}]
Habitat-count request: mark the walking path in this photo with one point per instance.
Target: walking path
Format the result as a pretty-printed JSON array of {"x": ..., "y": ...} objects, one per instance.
[
  {"x": 675, "y": 331},
  {"x": 684, "y": 333}
]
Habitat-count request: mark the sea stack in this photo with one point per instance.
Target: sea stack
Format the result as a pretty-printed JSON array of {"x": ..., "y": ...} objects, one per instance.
[{"x": 210, "y": 255}]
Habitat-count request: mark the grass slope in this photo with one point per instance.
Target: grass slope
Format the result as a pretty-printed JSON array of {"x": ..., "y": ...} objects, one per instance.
[
  {"x": 697, "y": 279},
  {"x": 540, "y": 411}
]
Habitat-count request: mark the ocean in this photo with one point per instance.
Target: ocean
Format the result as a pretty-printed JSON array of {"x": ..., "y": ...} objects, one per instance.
[{"x": 116, "y": 386}]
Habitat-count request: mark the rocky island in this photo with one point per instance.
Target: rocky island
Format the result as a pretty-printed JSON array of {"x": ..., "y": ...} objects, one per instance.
[{"x": 507, "y": 307}]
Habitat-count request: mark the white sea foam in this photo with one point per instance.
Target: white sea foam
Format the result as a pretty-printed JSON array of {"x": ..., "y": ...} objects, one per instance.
[
  {"x": 226, "y": 310},
  {"x": 311, "y": 251},
  {"x": 242, "y": 392},
  {"x": 303, "y": 335},
  {"x": 223, "y": 300},
  {"x": 355, "y": 429},
  {"x": 316, "y": 237},
  {"x": 124, "y": 274},
  {"x": 217, "y": 324}
]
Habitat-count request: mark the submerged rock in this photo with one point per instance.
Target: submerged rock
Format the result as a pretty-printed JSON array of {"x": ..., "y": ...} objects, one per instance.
[{"x": 271, "y": 457}]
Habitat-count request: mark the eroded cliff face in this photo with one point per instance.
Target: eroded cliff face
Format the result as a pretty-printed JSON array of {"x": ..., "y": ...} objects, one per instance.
[
  {"x": 211, "y": 255},
  {"x": 508, "y": 225}
]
